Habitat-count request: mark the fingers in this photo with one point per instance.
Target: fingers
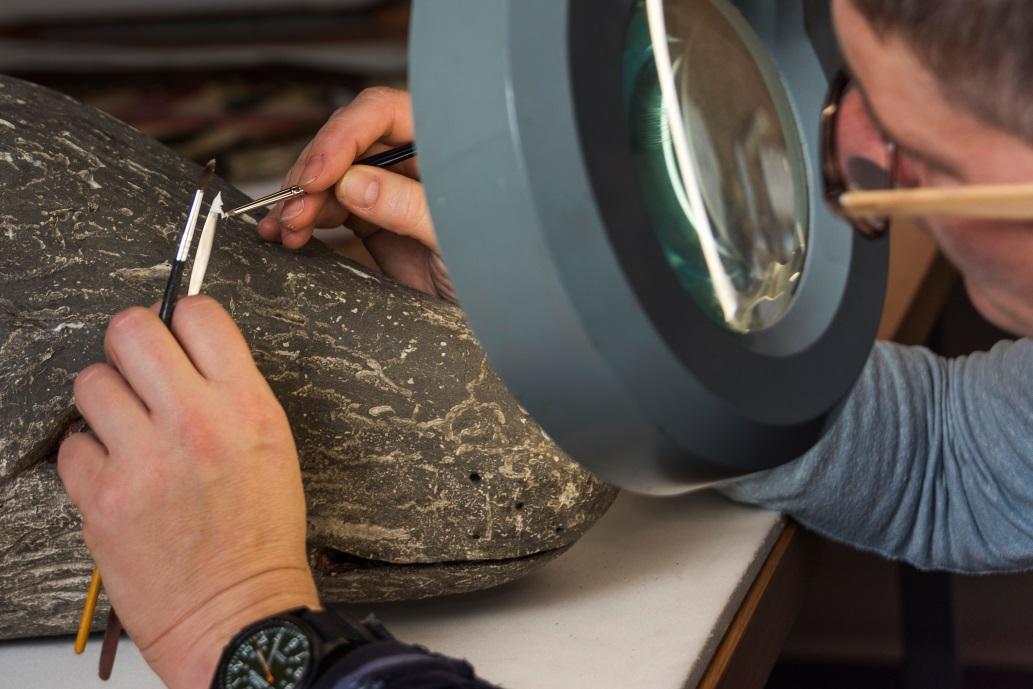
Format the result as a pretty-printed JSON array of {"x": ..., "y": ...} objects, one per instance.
[
  {"x": 212, "y": 340},
  {"x": 361, "y": 228},
  {"x": 402, "y": 258},
  {"x": 388, "y": 200},
  {"x": 378, "y": 118},
  {"x": 79, "y": 461},
  {"x": 143, "y": 350},
  {"x": 108, "y": 404},
  {"x": 332, "y": 215},
  {"x": 269, "y": 227},
  {"x": 377, "y": 114},
  {"x": 294, "y": 221}
]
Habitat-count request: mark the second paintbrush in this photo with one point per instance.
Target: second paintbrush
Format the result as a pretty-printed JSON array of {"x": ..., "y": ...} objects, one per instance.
[
  {"x": 385, "y": 159},
  {"x": 168, "y": 303}
]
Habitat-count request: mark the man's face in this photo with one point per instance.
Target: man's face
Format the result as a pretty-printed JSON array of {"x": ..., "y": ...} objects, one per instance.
[{"x": 943, "y": 145}]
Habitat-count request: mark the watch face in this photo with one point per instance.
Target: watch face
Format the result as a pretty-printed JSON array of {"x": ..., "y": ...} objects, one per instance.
[{"x": 277, "y": 656}]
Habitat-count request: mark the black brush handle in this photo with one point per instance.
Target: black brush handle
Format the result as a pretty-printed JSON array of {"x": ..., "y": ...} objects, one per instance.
[
  {"x": 168, "y": 302},
  {"x": 389, "y": 158}
]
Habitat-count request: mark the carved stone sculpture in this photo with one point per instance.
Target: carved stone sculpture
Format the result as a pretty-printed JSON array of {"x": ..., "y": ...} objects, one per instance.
[{"x": 423, "y": 475}]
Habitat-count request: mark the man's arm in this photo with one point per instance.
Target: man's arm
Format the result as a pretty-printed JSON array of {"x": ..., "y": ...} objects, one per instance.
[
  {"x": 189, "y": 486},
  {"x": 931, "y": 462},
  {"x": 189, "y": 483}
]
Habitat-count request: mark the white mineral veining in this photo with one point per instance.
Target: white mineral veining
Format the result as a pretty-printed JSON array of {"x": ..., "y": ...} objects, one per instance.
[
  {"x": 380, "y": 411},
  {"x": 158, "y": 272},
  {"x": 139, "y": 169},
  {"x": 361, "y": 274},
  {"x": 7, "y": 157},
  {"x": 92, "y": 157},
  {"x": 361, "y": 532},
  {"x": 74, "y": 325},
  {"x": 569, "y": 495},
  {"x": 409, "y": 349},
  {"x": 87, "y": 176},
  {"x": 30, "y": 160},
  {"x": 7, "y": 124}
]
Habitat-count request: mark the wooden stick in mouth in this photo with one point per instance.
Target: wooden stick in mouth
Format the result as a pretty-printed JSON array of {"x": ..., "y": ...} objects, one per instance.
[{"x": 991, "y": 202}]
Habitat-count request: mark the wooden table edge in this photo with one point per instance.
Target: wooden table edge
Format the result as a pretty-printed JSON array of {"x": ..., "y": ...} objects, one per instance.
[{"x": 753, "y": 640}]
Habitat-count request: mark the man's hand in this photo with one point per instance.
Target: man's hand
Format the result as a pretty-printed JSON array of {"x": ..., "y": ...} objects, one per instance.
[
  {"x": 371, "y": 200},
  {"x": 189, "y": 487}
]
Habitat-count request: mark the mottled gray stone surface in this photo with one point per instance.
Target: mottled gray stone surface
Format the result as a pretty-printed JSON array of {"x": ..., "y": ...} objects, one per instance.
[{"x": 423, "y": 475}]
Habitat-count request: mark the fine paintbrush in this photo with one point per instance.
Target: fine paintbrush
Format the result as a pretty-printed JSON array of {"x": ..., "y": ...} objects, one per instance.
[
  {"x": 383, "y": 160},
  {"x": 168, "y": 304}
]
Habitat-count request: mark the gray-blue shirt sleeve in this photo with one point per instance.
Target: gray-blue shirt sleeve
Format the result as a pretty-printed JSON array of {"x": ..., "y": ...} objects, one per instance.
[{"x": 930, "y": 462}]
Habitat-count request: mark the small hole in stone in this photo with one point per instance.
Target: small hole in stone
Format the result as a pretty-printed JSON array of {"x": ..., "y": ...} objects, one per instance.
[
  {"x": 559, "y": 529},
  {"x": 475, "y": 477},
  {"x": 475, "y": 536},
  {"x": 519, "y": 505}
]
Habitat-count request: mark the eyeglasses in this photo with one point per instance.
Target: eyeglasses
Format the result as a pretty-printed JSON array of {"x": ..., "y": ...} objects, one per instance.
[{"x": 861, "y": 169}]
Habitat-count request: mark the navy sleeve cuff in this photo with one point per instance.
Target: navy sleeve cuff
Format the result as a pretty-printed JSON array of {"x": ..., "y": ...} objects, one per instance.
[{"x": 394, "y": 665}]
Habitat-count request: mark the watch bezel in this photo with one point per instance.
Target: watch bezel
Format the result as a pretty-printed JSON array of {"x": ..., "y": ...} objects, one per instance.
[{"x": 282, "y": 619}]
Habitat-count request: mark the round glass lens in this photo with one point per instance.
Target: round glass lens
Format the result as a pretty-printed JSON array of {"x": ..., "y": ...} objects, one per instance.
[{"x": 719, "y": 158}]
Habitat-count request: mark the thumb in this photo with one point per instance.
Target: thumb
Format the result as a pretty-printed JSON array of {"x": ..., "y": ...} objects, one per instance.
[{"x": 391, "y": 201}]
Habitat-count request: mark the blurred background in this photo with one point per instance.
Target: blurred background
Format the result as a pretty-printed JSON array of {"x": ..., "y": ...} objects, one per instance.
[{"x": 249, "y": 82}]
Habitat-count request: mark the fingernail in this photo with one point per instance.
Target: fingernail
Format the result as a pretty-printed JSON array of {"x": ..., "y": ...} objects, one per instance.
[
  {"x": 292, "y": 209},
  {"x": 312, "y": 170},
  {"x": 361, "y": 190}
]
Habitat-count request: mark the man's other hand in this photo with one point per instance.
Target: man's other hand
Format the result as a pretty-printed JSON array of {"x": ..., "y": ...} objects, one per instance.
[
  {"x": 189, "y": 487},
  {"x": 387, "y": 209}
]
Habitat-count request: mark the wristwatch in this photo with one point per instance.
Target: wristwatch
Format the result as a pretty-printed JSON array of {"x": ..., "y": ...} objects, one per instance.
[{"x": 292, "y": 649}]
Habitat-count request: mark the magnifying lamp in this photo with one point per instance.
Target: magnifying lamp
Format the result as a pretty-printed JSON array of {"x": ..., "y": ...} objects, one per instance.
[{"x": 627, "y": 195}]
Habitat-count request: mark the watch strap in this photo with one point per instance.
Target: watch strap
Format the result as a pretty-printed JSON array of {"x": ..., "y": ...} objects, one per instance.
[
  {"x": 335, "y": 635},
  {"x": 334, "y": 629}
]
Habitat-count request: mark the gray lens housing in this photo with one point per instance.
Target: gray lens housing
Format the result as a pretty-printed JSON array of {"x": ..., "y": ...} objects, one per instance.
[{"x": 524, "y": 152}]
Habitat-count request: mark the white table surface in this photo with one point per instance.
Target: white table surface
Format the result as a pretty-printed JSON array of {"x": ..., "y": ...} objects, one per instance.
[{"x": 641, "y": 601}]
